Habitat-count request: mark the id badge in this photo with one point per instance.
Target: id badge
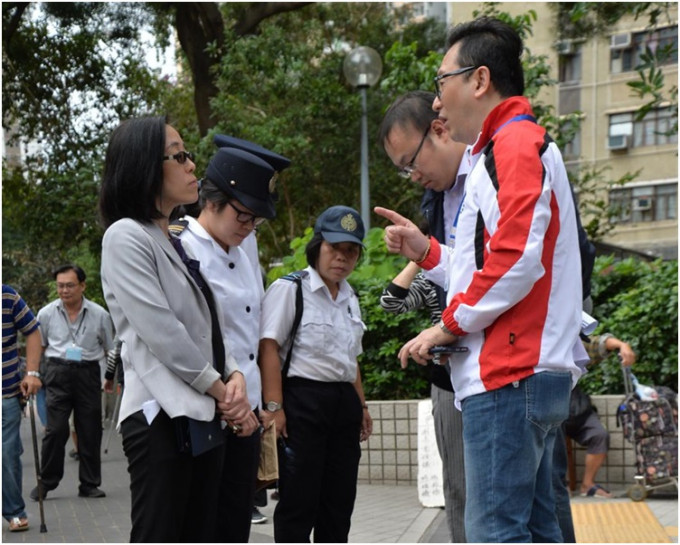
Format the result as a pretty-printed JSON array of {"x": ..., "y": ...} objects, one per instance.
[{"x": 74, "y": 353}]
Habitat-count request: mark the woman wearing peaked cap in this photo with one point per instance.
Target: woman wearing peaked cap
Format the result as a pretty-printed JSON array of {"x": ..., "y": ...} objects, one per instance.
[
  {"x": 318, "y": 405},
  {"x": 278, "y": 162},
  {"x": 235, "y": 197}
]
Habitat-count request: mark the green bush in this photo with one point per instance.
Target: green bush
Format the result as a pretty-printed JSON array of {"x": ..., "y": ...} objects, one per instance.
[
  {"x": 634, "y": 300},
  {"x": 637, "y": 302}
]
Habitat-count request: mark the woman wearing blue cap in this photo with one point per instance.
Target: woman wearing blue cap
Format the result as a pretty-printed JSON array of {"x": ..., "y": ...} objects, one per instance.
[
  {"x": 317, "y": 401},
  {"x": 235, "y": 197}
]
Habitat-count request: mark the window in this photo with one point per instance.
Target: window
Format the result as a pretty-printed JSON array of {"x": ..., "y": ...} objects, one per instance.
[
  {"x": 653, "y": 130},
  {"x": 570, "y": 67},
  {"x": 628, "y": 57},
  {"x": 644, "y": 203},
  {"x": 572, "y": 149}
]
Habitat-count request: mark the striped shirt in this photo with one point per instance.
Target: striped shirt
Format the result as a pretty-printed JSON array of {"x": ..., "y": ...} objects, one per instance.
[
  {"x": 420, "y": 294},
  {"x": 16, "y": 316}
]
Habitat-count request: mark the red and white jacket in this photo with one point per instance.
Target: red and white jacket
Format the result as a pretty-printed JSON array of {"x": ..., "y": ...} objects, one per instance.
[{"x": 514, "y": 276}]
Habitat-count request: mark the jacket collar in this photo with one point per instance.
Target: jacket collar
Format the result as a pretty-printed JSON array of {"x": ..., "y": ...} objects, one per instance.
[{"x": 502, "y": 113}]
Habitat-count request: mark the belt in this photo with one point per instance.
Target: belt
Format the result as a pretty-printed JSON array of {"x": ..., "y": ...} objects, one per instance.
[{"x": 73, "y": 363}]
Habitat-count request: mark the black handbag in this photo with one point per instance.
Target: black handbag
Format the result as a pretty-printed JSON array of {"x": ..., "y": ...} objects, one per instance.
[{"x": 197, "y": 437}]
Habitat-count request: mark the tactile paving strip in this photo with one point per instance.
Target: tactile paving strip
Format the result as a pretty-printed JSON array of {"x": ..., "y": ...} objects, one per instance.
[{"x": 616, "y": 522}]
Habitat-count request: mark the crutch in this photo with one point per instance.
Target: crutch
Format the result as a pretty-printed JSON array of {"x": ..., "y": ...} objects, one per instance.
[
  {"x": 32, "y": 408},
  {"x": 114, "y": 417}
]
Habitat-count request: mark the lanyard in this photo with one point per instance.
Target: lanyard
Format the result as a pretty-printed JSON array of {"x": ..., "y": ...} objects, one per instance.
[
  {"x": 454, "y": 227},
  {"x": 69, "y": 327},
  {"x": 521, "y": 117}
]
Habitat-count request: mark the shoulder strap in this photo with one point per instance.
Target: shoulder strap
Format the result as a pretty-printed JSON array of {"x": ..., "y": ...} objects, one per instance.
[
  {"x": 177, "y": 226},
  {"x": 296, "y": 277}
]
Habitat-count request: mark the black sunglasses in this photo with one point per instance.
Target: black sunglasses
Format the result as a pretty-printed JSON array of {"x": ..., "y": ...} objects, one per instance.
[{"x": 181, "y": 157}]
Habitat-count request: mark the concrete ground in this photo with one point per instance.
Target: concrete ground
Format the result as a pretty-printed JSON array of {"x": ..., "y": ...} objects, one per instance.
[{"x": 382, "y": 514}]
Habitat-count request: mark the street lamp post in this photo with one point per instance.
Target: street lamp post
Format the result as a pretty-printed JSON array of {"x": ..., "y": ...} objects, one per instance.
[{"x": 362, "y": 68}]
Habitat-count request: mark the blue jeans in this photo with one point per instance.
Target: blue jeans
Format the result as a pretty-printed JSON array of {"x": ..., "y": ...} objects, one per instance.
[
  {"x": 509, "y": 434},
  {"x": 12, "y": 503},
  {"x": 562, "y": 498}
]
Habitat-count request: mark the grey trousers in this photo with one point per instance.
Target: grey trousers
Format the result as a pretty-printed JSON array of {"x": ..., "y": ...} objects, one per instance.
[{"x": 448, "y": 427}]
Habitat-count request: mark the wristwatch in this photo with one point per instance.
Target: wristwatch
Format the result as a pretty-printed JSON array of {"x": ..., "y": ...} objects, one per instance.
[
  {"x": 35, "y": 374},
  {"x": 273, "y": 406},
  {"x": 445, "y": 329}
]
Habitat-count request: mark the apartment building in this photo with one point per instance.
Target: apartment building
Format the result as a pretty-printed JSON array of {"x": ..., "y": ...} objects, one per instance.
[{"x": 593, "y": 75}]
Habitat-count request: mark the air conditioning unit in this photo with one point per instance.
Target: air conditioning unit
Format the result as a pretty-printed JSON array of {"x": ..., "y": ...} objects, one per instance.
[
  {"x": 621, "y": 41},
  {"x": 617, "y": 142},
  {"x": 565, "y": 47},
  {"x": 641, "y": 204}
]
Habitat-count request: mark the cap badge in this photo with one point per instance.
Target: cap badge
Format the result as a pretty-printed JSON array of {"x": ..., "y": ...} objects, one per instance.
[
  {"x": 348, "y": 223},
  {"x": 272, "y": 182}
]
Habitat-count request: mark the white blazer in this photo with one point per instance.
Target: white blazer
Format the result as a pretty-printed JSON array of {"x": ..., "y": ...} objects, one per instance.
[{"x": 163, "y": 320}]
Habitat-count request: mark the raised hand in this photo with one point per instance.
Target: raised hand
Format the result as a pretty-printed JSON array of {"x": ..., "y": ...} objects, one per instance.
[{"x": 403, "y": 237}]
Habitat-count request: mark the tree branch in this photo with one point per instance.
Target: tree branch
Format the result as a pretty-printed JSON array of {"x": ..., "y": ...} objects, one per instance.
[
  {"x": 13, "y": 24},
  {"x": 259, "y": 11}
]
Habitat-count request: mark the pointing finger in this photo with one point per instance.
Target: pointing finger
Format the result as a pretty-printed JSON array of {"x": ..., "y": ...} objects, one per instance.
[{"x": 391, "y": 215}]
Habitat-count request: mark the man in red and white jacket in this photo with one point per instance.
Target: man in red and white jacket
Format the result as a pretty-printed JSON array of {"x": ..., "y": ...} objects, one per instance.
[{"x": 513, "y": 283}]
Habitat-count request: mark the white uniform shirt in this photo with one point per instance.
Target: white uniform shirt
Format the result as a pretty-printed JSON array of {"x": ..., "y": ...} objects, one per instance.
[
  {"x": 237, "y": 285},
  {"x": 328, "y": 340}
]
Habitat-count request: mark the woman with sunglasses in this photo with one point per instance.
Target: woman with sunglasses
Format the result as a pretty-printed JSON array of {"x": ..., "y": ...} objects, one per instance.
[
  {"x": 175, "y": 359},
  {"x": 235, "y": 197},
  {"x": 318, "y": 404}
]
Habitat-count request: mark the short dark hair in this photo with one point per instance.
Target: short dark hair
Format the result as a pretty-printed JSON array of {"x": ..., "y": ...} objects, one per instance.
[
  {"x": 313, "y": 249},
  {"x": 80, "y": 273},
  {"x": 133, "y": 171},
  {"x": 413, "y": 108},
  {"x": 490, "y": 42},
  {"x": 210, "y": 192}
]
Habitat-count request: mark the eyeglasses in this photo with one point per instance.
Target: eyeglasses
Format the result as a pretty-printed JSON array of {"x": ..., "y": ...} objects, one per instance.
[
  {"x": 246, "y": 217},
  {"x": 437, "y": 79},
  {"x": 407, "y": 170},
  {"x": 181, "y": 157},
  {"x": 68, "y": 286}
]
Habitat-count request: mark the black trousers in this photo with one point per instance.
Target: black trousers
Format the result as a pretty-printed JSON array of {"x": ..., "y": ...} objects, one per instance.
[
  {"x": 237, "y": 490},
  {"x": 174, "y": 495},
  {"x": 318, "y": 462},
  {"x": 74, "y": 386}
]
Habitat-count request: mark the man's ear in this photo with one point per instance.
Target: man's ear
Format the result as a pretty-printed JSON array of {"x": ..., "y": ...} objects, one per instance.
[
  {"x": 438, "y": 128},
  {"x": 482, "y": 79}
]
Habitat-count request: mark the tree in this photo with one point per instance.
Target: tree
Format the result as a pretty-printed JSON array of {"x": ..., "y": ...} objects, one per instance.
[
  {"x": 201, "y": 27},
  {"x": 72, "y": 71}
]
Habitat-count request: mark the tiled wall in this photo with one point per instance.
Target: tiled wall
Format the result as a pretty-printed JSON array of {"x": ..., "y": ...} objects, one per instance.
[{"x": 390, "y": 456}]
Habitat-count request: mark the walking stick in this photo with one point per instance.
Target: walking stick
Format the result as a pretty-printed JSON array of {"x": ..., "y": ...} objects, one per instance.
[
  {"x": 114, "y": 417},
  {"x": 36, "y": 457}
]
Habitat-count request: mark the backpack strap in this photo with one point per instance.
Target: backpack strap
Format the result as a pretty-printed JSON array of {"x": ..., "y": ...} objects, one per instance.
[{"x": 296, "y": 277}]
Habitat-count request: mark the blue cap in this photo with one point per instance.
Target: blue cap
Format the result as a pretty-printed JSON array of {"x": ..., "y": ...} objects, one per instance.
[
  {"x": 340, "y": 224},
  {"x": 246, "y": 177},
  {"x": 278, "y": 162}
]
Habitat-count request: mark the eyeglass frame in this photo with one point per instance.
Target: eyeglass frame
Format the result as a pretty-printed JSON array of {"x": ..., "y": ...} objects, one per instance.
[
  {"x": 68, "y": 286},
  {"x": 458, "y": 71},
  {"x": 252, "y": 218},
  {"x": 181, "y": 157},
  {"x": 407, "y": 170}
]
